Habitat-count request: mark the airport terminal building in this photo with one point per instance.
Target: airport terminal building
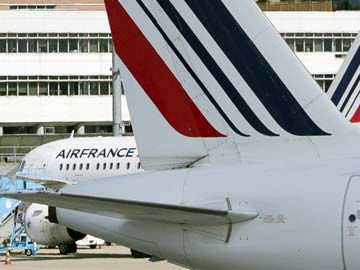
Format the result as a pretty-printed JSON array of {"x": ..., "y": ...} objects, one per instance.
[{"x": 56, "y": 58}]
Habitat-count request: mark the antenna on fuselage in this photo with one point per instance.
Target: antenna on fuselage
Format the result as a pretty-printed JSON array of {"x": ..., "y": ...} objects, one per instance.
[{"x": 72, "y": 134}]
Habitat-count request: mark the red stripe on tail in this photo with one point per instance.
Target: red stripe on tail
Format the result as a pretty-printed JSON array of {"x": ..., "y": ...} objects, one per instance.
[
  {"x": 157, "y": 80},
  {"x": 356, "y": 117}
]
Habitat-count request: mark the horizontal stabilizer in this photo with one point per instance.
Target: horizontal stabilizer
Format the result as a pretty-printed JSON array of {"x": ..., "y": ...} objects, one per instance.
[
  {"x": 54, "y": 184},
  {"x": 117, "y": 208}
]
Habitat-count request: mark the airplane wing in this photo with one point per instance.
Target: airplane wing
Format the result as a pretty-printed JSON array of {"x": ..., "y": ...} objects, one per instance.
[
  {"x": 54, "y": 184},
  {"x": 118, "y": 208}
]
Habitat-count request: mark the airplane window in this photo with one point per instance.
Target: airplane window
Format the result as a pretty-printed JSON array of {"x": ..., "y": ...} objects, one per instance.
[
  {"x": 61, "y": 167},
  {"x": 81, "y": 166},
  {"x": 74, "y": 167},
  {"x": 138, "y": 166},
  {"x": 128, "y": 165},
  {"x": 67, "y": 166},
  {"x": 87, "y": 166},
  {"x": 97, "y": 166},
  {"x": 104, "y": 166},
  {"x": 118, "y": 165},
  {"x": 111, "y": 166}
]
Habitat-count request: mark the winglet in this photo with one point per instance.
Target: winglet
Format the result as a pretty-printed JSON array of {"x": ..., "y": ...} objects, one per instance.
[
  {"x": 54, "y": 184},
  {"x": 12, "y": 174}
]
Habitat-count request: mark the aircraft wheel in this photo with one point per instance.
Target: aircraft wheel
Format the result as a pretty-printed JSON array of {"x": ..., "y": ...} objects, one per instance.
[
  {"x": 65, "y": 249},
  {"x": 137, "y": 254}
]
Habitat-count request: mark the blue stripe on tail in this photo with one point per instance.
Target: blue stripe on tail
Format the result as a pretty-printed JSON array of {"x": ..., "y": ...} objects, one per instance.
[
  {"x": 254, "y": 68},
  {"x": 347, "y": 77},
  {"x": 214, "y": 69},
  {"x": 190, "y": 70}
]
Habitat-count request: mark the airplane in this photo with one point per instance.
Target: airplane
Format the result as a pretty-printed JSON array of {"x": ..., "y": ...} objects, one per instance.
[
  {"x": 86, "y": 162},
  {"x": 345, "y": 89},
  {"x": 255, "y": 167},
  {"x": 67, "y": 161},
  {"x": 70, "y": 161}
]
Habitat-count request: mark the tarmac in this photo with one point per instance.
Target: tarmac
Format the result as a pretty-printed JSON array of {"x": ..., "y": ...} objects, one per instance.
[{"x": 104, "y": 258}]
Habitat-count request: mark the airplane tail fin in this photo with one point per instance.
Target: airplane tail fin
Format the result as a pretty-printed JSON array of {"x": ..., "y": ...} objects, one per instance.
[
  {"x": 208, "y": 79},
  {"x": 345, "y": 89}
]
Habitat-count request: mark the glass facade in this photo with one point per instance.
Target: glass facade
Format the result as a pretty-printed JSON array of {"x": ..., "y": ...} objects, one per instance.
[
  {"x": 324, "y": 80},
  {"x": 32, "y": 7},
  {"x": 55, "y": 85},
  {"x": 346, "y": 4},
  {"x": 319, "y": 42},
  {"x": 55, "y": 43}
]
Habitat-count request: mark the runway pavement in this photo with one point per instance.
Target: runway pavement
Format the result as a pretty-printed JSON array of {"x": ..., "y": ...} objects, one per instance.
[{"x": 106, "y": 258}]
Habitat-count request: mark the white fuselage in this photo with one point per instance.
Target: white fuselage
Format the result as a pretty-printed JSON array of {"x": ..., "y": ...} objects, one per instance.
[
  {"x": 77, "y": 159},
  {"x": 74, "y": 160},
  {"x": 304, "y": 216}
]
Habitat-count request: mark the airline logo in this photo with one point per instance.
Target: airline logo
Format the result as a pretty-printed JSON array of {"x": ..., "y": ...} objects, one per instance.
[
  {"x": 347, "y": 91},
  {"x": 97, "y": 153},
  {"x": 167, "y": 93}
]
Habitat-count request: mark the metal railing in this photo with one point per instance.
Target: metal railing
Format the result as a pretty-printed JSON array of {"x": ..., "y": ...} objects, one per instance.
[{"x": 14, "y": 154}]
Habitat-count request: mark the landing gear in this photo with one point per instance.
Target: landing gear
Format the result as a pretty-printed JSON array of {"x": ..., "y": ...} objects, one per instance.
[
  {"x": 65, "y": 249},
  {"x": 138, "y": 255}
]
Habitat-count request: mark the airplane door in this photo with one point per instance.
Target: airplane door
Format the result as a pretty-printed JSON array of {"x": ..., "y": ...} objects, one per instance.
[{"x": 351, "y": 225}]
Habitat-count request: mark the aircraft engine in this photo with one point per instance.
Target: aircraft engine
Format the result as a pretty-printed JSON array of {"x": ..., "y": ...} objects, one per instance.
[{"x": 42, "y": 231}]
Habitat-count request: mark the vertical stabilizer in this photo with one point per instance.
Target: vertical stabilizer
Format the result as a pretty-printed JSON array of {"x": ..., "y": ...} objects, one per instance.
[
  {"x": 345, "y": 89},
  {"x": 207, "y": 79}
]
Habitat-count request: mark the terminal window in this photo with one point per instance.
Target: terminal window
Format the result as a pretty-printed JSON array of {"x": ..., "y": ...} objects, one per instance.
[
  {"x": 55, "y": 43},
  {"x": 319, "y": 42},
  {"x": 33, "y": 7},
  {"x": 55, "y": 85},
  {"x": 324, "y": 80}
]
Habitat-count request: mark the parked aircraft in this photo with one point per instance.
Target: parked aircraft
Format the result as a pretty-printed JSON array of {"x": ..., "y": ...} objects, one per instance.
[
  {"x": 84, "y": 161},
  {"x": 70, "y": 161},
  {"x": 258, "y": 168}
]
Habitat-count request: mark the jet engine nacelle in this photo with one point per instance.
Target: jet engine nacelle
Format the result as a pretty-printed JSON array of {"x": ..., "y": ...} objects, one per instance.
[{"x": 39, "y": 228}]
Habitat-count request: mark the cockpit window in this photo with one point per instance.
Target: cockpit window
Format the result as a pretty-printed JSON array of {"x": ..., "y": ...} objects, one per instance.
[{"x": 22, "y": 166}]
